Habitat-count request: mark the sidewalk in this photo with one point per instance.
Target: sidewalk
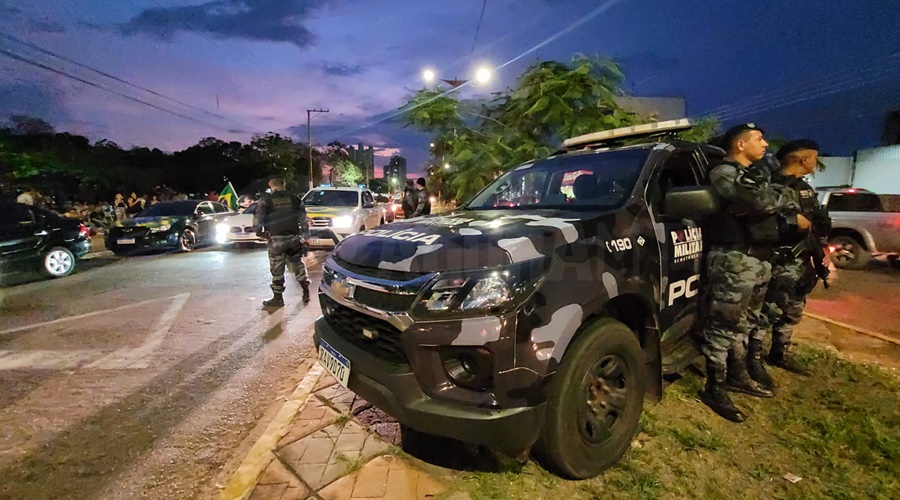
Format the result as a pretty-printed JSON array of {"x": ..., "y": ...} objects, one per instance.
[
  {"x": 340, "y": 448},
  {"x": 329, "y": 454}
]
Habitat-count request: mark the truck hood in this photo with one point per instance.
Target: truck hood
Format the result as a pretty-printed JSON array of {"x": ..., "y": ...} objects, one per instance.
[
  {"x": 461, "y": 240},
  {"x": 318, "y": 211}
]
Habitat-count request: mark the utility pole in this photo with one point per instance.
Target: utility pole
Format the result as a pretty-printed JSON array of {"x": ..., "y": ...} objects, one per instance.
[{"x": 309, "y": 141}]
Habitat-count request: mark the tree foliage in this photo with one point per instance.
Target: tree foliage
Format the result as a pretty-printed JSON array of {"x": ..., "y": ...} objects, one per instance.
[
  {"x": 550, "y": 101},
  {"x": 33, "y": 155}
]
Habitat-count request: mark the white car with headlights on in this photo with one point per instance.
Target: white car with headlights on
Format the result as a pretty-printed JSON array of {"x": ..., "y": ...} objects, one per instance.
[
  {"x": 335, "y": 213},
  {"x": 239, "y": 228}
]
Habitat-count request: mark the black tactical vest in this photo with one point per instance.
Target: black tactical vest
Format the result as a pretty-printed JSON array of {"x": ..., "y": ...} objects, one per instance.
[{"x": 283, "y": 213}]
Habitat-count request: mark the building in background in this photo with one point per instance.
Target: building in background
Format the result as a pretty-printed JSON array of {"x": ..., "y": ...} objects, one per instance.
[
  {"x": 875, "y": 169},
  {"x": 396, "y": 168},
  {"x": 364, "y": 158}
]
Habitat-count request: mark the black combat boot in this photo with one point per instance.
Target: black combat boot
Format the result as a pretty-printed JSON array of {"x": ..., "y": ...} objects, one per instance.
[
  {"x": 755, "y": 367},
  {"x": 305, "y": 287},
  {"x": 738, "y": 380},
  {"x": 716, "y": 397},
  {"x": 276, "y": 301},
  {"x": 780, "y": 356}
]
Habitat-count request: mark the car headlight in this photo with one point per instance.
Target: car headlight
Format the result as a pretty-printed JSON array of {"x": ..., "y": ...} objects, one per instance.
[
  {"x": 342, "y": 221},
  {"x": 161, "y": 229},
  {"x": 466, "y": 292},
  {"x": 222, "y": 228}
]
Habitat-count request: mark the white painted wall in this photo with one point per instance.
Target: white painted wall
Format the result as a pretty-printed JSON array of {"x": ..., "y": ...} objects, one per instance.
[
  {"x": 878, "y": 170},
  {"x": 838, "y": 172}
]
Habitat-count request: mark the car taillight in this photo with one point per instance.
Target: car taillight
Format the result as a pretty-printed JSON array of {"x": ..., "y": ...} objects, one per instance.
[
  {"x": 83, "y": 231},
  {"x": 831, "y": 248}
]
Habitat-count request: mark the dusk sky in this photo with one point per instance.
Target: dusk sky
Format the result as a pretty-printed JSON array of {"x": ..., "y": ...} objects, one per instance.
[{"x": 826, "y": 69}]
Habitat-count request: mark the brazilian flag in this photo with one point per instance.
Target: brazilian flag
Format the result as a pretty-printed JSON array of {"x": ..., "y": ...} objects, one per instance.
[{"x": 229, "y": 197}]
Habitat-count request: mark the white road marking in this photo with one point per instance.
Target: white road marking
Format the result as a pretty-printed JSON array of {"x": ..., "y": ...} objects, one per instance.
[
  {"x": 125, "y": 358},
  {"x": 82, "y": 316},
  {"x": 868, "y": 333},
  {"x": 247, "y": 474}
]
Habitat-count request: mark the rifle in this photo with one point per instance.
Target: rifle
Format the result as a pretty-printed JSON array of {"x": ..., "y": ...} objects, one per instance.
[{"x": 816, "y": 250}]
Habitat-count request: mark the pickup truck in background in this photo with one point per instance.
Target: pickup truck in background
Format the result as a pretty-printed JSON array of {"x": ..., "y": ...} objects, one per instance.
[
  {"x": 338, "y": 212},
  {"x": 861, "y": 228}
]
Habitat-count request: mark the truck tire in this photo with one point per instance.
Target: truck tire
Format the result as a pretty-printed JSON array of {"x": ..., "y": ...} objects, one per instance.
[
  {"x": 849, "y": 253},
  {"x": 187, "y": 241},
  {"x": 594, "y": 402}
]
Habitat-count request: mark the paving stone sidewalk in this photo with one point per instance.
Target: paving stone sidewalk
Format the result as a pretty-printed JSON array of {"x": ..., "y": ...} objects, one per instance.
[{"x": 330, "y": 455}]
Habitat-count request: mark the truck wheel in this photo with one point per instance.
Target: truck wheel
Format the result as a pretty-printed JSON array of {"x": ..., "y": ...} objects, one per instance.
[
  {"x": 849, "y": 253},
  {"x": 594, "y": 402},
  {"x": 59, "y": 262}
]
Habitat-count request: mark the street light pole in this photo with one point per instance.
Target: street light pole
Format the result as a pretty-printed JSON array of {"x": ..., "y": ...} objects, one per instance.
[{"x": 309, "y": 141}]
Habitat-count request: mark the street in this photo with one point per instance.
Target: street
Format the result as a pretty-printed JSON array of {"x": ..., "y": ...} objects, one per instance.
[{"x": 143, "y": 377}]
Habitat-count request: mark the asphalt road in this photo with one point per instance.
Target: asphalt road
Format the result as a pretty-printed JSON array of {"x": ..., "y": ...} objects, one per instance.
[
  {"x": 140, "y": 377},
  {"x": 869, "y": 299}
]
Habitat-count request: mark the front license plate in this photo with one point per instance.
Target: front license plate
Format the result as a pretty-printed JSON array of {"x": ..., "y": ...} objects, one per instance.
[
  {"x": 126, "y": 241},
  {"x": 334, "y": 362}
]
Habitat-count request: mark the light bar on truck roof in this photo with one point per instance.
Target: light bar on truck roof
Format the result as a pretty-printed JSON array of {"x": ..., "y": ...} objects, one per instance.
[{"x": 671, "y": 126}]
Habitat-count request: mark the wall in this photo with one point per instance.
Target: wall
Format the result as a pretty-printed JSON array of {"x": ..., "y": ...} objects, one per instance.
[
  {"x": 838, "y": 172},
  {"x": 878, "y": 170}
]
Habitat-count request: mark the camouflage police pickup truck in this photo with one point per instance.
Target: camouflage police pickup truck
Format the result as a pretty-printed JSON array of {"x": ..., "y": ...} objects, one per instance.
[{"x": 540, "y": 314}]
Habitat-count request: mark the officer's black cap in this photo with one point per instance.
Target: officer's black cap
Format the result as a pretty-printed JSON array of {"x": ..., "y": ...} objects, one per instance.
[
  {"x": 734, "y": 132},
  {"x": 794, "y": 146}
]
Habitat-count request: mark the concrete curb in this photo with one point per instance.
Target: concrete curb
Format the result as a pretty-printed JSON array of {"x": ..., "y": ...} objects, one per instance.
[{"x": 97, "y": 255}]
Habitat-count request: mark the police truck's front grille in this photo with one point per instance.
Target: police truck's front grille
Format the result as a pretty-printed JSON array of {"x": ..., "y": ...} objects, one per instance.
[
  {"x": 351, "y": 324},
  {"x": 382, "y": 300},
  {"x": 374, "y": 272}
]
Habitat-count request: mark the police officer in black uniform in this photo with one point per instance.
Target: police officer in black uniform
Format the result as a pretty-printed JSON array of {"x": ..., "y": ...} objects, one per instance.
[{"x": 281, "y": 219}]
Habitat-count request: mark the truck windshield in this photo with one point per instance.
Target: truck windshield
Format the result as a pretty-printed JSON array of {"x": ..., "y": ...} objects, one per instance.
[
  {"x": 325, "y": 198},
  {"x": 588, "y": 181}
]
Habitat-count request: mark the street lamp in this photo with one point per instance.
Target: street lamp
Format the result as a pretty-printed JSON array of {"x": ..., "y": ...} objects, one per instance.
[
  {"x": 483, "y": 75},
  {"x": 446, "y": 166},
  {"x": 428, "y": 75}
]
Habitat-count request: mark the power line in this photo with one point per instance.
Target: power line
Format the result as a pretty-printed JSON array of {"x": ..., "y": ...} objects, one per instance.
[
  {"x": 816, "y": 84},
  {"x": 107, "y": 75},
  {"x": 37, "y": 64},
  {"x": 477, "y": 29}
]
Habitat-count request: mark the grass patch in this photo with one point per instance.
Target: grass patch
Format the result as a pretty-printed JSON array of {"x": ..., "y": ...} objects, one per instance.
[
  {"x": 352, "y": 464},
  {"x": 839, "y": 430},
  {"x": 342, "y": 419}
]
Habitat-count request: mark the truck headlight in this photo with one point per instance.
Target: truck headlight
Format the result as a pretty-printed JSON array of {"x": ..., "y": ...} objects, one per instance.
[
  {"x": 343, "y": 221},
  {"x": 161, "y": 229},
  {"x": 222, "y": 228},
  {"x": 468, "y": 292}
]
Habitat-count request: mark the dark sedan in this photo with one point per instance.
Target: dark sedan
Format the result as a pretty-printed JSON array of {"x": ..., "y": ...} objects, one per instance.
[
  {"x": 34, "y": 239},
  {"x": 173, "y": 225}
]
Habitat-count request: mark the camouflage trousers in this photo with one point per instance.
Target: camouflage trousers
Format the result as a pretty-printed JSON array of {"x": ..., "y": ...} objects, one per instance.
[
  {"x": 284, "y": 250},
  {"x": 735, "y": 288},
  {"x": 786, "y": 298}
]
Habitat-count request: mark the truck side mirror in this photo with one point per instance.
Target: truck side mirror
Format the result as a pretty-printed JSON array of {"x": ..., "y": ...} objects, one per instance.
[{"x": 690, "y": 202}]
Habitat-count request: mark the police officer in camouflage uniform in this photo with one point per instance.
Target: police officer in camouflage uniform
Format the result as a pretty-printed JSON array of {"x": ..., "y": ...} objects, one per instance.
[
  {"x": 754, "y": 214},
  {"x": 281, "y": 218},
  {"x": 794, "y": 277}
]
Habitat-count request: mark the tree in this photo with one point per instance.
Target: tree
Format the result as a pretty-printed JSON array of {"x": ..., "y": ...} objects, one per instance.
[
  {"x": 551, "y": 101},
  {"x": 346, "y": 173}
]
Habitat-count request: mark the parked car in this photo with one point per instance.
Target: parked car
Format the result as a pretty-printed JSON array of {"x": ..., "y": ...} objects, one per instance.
[
  {"x": 338, "y": 212},
  {"x": 32, "y": 239},
  {"x": 239, "y": 228},
  {"x": 861, "y": 228},
  {"x": 175, "y": 225},
  {"x": 540, "y": 314}
]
